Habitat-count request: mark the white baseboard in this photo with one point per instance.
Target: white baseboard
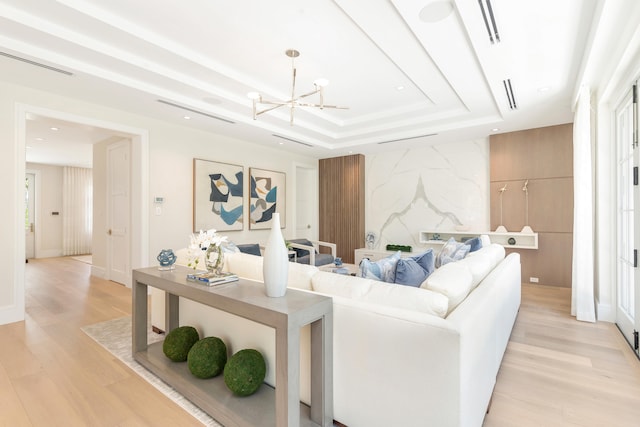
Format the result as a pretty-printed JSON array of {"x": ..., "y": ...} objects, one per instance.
[
  {"x": 605, "y": 312},
  {"x": 100, "y": 272},
  {"x": 50, "y": 253},
  {"x": 11, "y": 314}
]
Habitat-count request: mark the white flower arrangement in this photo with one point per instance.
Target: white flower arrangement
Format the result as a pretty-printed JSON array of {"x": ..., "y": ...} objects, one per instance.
[{"x": 200, "y": 242}]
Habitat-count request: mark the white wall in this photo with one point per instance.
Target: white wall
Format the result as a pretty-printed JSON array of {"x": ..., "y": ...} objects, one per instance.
[
  {"x": 436, "y": 187},
  {"x": 171, "y": 150}
]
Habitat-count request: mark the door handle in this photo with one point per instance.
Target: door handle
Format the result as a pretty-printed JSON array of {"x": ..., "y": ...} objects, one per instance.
[
  {"x": 109, "y": 232},
  {"x": 32, "y": 227},
  {"x": 308, "y": 225}
]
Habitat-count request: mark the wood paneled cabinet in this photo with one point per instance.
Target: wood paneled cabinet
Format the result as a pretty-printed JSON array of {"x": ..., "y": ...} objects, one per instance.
[{"x": 341, "y": 194}]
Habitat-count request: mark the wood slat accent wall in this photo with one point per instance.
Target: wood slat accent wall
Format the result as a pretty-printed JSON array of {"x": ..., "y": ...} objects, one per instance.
[
  {"x": 341, "y": 193},
  {"x": 544, "y": 156}
]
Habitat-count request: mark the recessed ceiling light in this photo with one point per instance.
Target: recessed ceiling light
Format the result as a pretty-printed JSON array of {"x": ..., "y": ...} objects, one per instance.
[
  {"x": 39, "y": 139},
  {"x": 544, "y": 89},
  {"x": 495, "y": 130},
  {"x": 280, "y": 143},
  {"x": 187, "y": 117},
  {"x": 28, "y": 147},
  {"x": 436, "y": 11},
  {"x": 400, "y": 87},
  {"x": 54, "y": 128}
]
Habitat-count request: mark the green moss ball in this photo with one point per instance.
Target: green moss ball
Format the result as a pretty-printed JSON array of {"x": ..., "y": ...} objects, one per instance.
[
  {"x": 207, "y": 357},
  {"x": 245, "y": 372},
  {"x": 178, "y": 342}
]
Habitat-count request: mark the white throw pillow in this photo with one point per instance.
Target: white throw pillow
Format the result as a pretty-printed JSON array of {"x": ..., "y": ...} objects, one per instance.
[{"x": 454, "y": 280}]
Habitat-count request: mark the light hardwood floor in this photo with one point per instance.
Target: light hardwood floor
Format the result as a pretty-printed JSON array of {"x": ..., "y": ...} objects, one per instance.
[{"x": 556, "y": 371}]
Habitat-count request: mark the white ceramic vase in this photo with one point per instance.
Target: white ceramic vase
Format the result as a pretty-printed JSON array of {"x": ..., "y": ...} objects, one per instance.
[{"x": 275, "y": 267}]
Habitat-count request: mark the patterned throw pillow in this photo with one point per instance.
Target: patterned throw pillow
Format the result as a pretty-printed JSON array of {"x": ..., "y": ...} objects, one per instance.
[
  {"x": 451, "y": 251},
  {"x": 383, "y": 269}
]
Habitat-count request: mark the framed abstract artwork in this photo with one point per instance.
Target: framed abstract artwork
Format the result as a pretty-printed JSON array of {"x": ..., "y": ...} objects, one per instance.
[
  {"x": 218, "y": 196},
  {"x": 266, "y": 196}
]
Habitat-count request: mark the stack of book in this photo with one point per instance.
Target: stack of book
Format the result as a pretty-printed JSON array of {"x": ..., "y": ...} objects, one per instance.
[{"x": 212, "y": 279}]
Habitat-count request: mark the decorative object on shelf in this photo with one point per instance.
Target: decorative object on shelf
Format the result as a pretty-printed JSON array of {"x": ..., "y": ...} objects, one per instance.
[
  {"x": 501, "y": 228},
  {"x": 214, "y": 259},
  {"x": 401, "y": 248},
  {"x": 436, "y": 236},
  {"x": 294, "y": 101},
  {"x": 266, "y": 197},
  {"x": 218, "y": 196},
  {"x": 370, "y": 239},
  {"x": 212, "y": 279},
  {"x": 211, "y": 243},
  {"x": 178, "y": 342},
  {"x": 207, "y": 357},
  {"x": 526, "y": 229},
  {"x": 511, "y": 241},
  {"x": 245, "y": 371},
  {"x": 337, "y": 261},
  {"x": 275, "y": 265},
  {"x": 166, "y": 258}
]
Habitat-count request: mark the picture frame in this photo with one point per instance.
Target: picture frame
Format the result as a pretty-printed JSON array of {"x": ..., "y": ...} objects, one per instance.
[
  {"x": 218, "y": 196},
  {"x": 267, "y": 195}
]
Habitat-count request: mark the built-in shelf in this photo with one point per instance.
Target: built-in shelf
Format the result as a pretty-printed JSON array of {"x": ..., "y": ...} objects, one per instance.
[{"x": 515, "y": 240}]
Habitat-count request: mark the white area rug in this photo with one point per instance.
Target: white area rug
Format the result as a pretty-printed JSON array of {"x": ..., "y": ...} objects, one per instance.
[{"x": 115, "y": 336}]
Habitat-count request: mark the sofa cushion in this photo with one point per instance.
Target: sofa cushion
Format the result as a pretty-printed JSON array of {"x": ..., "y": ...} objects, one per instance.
[
  {"x": 413, "y": 270},
  {"x": 245, "y": 265},
  {"x": 380, "y": 293},
  {"x": 451, "y": 251},
  {"x": 300, "y": 276},
  {"x": 479, "y": 266},
  {"x": 384, "y": 269},
  {"x": 495, "y": 252},
  {"x": 453, "y": 280}
]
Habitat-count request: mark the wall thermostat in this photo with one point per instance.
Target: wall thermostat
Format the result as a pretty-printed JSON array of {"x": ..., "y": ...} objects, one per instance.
[{"x": 158, "y": 199}]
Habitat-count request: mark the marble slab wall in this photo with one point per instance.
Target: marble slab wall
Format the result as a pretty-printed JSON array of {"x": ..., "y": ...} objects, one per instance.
[{"x": 442, "y": 187}]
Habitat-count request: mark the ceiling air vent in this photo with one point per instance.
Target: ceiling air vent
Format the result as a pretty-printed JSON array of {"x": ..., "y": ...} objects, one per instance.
[
  {"x": 509, "y": 90},
  {"x": 292, "y": 140},
  {"x": 202, "y": 113},
  {"x": 406, "y": 139},
  {"x": 492, "y": 29},
  {"x": 37, "y": 64}
]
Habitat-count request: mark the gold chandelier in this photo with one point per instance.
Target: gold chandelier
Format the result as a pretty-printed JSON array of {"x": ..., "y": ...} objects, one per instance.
[{"x": 294, "y": 101}]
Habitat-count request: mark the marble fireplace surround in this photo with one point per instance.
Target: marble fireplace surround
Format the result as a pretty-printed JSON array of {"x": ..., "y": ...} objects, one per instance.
[{"x": 440, "y": 187}]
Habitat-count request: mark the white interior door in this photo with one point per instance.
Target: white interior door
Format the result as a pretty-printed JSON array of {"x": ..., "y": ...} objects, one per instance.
[
  {"x": 628, "y": 221},
  {"x": 118, "y": 209},
  {"x": 306, "y": 203},
  {"x": 30, "y": 216}
]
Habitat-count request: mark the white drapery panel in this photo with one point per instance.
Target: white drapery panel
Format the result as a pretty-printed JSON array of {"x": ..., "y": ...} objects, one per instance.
[
  {"x": 77, "y": 210},
  {"x": 582, "y": 286}
]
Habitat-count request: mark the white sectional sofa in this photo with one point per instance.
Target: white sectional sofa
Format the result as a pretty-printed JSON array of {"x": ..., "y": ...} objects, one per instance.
[{"x": 403, "y": 356}]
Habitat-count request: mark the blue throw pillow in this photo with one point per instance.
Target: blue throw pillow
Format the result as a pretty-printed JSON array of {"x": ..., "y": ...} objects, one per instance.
[
  {"x": 250, "y": 248},
  {"x": 410, "y": 273},
  {"x": 426, "y": 260},
  {"x": 475, "y": 243},
  {"x": 383, "y": 269}
]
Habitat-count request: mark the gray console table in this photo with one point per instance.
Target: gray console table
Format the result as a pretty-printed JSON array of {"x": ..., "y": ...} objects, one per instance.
[{"x": 279, "y": 407}]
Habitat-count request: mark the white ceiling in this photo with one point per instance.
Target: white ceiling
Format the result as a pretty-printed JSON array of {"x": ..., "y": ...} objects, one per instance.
[{"x": 207, "y": 55}]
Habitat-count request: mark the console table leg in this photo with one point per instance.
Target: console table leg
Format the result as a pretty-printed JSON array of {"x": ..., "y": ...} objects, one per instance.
[
  {"x": 139, "y": 317},
  {"x": 322, "y": 371}
]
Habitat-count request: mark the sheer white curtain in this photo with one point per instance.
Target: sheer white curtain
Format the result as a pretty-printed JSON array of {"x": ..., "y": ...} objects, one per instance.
[
  {"x": 582, "y": 292},
  {"x": 77, "y": 210}
]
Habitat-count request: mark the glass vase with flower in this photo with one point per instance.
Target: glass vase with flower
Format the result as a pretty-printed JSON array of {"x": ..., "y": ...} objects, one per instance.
[{"x": 209, "y": 242}]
